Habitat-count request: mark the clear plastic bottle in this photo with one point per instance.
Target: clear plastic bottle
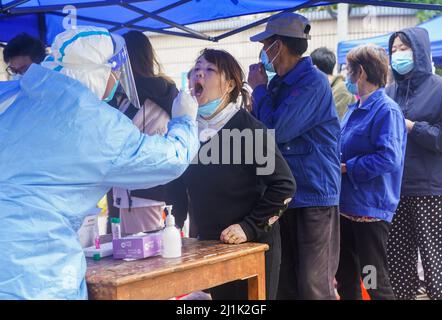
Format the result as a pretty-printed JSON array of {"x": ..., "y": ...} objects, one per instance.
[
  {"x": 171, "y": 239},
  {"x": 116, "y": 228}
]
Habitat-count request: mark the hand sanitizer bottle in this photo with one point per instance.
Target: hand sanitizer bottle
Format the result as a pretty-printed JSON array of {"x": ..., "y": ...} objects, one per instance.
[
  {"x": 171, "y": 239},
  {"x": 116, "y": 228}
]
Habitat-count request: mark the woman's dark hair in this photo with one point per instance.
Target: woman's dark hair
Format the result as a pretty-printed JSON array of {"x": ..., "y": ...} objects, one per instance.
[
  {"x": 373, "y": 59},
  {"x": 24, "y": 45},
  {"x": 403, "y": 38},
  {"x": 227, "y": 65},
  {"x": 142, "y": 56}
]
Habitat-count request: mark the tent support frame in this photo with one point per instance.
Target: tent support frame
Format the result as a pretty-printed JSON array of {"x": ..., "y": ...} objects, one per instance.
[
  {"x": 115, "y": 24},
  {"x": 156, "y": 12},
  {"x": 7, "y": 8},
  {"x": 196, "y": 34},
  {"x": 55, "y": 7}
]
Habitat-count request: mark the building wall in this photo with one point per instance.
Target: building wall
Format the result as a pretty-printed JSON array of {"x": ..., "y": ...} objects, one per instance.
[
  {"x": 324, "y": 32},
  {"x": 178, "y": 54}
]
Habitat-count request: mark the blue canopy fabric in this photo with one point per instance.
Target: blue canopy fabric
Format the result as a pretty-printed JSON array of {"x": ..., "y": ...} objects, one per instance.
[
  {"x": 433, "y": 26},
  {"x": 45, "y": 17}
]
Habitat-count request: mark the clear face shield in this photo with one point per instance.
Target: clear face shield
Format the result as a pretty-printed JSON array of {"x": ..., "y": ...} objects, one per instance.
[{"x": 121, "y": 68}]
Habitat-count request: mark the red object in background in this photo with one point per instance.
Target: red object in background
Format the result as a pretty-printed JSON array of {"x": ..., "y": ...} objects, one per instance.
[{"x": 365, "y": 295}]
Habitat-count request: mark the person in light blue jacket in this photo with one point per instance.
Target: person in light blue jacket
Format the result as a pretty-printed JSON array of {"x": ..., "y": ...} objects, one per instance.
[
  {"x": 373, "y": 140},
  {"x": 61, "y": 149}
]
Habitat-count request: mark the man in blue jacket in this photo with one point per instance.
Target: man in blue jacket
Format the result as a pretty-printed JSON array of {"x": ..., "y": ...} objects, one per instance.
[{"x": 298, "y": 104}]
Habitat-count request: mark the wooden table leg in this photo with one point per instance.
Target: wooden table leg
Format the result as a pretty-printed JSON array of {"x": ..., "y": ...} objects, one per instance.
[{"x": 257, "y": 284}]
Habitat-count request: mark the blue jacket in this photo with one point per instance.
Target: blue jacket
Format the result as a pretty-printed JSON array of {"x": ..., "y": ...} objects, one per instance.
[
  {"x": 420, "y": 98},
  {"x": 300, "y": 107},
  {"x": 373, "y": 140}
]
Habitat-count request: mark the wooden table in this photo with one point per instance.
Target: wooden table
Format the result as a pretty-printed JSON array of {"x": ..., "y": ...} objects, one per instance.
[{"x": 203, "y": 264}]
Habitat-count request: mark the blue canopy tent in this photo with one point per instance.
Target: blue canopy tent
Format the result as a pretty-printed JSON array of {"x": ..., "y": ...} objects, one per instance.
[
  {"x": 433, "y": 26},
  {"x": 46, "y": 18}
]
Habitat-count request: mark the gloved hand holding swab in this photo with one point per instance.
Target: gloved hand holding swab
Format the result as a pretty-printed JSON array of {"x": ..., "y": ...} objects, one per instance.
[{"x": 185, "y": 104}]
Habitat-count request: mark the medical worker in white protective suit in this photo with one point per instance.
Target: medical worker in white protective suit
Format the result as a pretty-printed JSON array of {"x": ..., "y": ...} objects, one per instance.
[{"x": 62, "y": 148}]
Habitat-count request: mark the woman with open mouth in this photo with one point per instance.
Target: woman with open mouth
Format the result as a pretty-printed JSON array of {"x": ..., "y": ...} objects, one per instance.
[{"x": 231, "y": 199}]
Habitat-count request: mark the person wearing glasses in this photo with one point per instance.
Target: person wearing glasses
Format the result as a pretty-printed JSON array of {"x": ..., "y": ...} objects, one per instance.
[{"x": 21, "y": 52}]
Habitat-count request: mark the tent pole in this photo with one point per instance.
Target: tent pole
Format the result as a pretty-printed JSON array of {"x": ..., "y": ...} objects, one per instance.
[
  {"x": 172, "y": 33},
  {"x": 115, "y": 24},
  {"x": 6, "y": 8},
  {"x": 50, "y": 8},
  {"x": 195, "y": 33},
  {"x": 89, "y": 19},
  {"x": 156, "y": 12}
]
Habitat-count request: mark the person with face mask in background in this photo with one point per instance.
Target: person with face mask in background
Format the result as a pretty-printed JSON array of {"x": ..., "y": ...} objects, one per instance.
[
  {"x": 21, "y": 52},
  {"x": 325, "y": 60},
  {"x": 298, "y": 104},
  {"x": 232, "y": 201},
  {"x": 373, "y": 139},
  {"x": 62, "y": 148},
  {"x": 417, "y": 224}
]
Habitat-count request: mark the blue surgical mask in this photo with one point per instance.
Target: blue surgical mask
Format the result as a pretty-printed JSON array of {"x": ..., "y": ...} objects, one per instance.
[
  {"x": 268, "y": 65},
  {"x": 402, "y": 62},
  {"x": 208, "y": 109},
  {"x": 270, "y": 75},
  {"x": 351, "y": 87},
  {"x": 112, "y": 93}
]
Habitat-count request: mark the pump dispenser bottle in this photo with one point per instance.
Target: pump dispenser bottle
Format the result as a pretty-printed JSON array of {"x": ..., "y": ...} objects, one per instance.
[{"x": 171, "y": 237}]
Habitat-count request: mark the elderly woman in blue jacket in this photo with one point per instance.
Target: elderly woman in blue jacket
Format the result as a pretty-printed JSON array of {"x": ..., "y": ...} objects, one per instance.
[
  {"x": 418, "y": 221},
  {"x": 373, "y": 139}
]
